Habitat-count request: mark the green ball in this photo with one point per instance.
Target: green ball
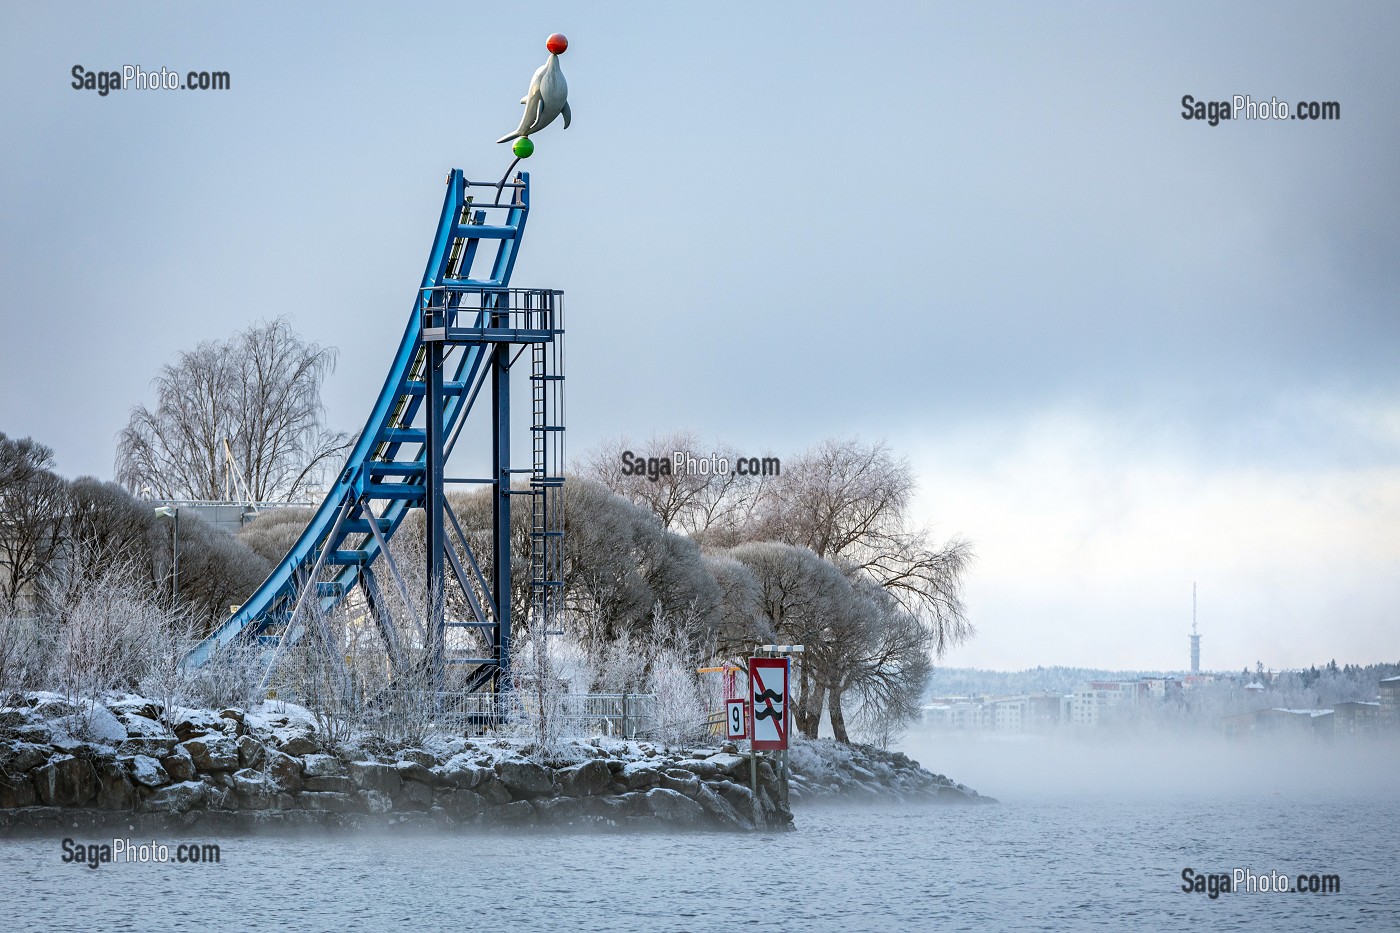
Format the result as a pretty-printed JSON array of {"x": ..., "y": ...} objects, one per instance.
[{"x": 523, "y": 147}]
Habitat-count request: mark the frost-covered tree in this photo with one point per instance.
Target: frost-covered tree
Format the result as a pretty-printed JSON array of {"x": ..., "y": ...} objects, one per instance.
[{"x": 259, "y": 392}]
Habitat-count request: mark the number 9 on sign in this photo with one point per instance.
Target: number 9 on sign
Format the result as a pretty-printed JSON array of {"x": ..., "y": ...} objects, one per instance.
[{"x": 735, "y": 720}]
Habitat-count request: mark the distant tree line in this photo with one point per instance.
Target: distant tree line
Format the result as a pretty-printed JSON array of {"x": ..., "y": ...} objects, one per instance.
[{"x": 59, "y": 538}]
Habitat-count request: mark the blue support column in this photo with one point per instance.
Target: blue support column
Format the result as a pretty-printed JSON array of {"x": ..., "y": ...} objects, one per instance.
[
  {"x": 500, "y": 441},
  {"x": 435, "y": 610}
]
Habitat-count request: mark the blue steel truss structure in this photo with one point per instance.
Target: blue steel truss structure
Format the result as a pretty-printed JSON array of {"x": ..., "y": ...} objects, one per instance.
[{"x": 467, "y": 328}]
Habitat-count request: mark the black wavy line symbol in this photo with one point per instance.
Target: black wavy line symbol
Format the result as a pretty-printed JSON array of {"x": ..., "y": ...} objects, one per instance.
[
  {"x": 767, "y": 696},
  {"x": 768, "y": 713}
]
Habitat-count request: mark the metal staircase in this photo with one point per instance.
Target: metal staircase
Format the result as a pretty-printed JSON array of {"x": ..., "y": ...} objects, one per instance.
[{"x": 466, "y": 325}]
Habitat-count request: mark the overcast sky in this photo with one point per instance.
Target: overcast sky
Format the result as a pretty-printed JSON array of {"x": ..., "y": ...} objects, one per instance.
[{"x": 1123, "y": 350}]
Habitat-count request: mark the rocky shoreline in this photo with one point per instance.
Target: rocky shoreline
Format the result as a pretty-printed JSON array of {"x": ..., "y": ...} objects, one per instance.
[{"x": 121, "y": 766}]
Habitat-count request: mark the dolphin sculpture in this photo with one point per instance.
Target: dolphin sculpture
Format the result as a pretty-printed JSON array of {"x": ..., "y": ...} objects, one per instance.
[{"x": 548, "y": 96}]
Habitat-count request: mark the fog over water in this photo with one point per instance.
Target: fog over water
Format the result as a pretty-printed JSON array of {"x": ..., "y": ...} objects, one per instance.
[
  {"x": 1089, "y": 835},
  {"x": 1163, "y": 764}
]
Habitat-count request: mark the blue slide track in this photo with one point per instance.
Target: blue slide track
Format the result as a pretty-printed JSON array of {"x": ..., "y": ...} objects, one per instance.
[{"x": 384, "y": 474}]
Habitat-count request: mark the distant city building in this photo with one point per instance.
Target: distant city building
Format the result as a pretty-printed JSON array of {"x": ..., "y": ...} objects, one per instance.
[
  {"x": 1357, "y": 719},
  {"x": 1312, "y": 723},
  {"x": 1389, "y": 717}
]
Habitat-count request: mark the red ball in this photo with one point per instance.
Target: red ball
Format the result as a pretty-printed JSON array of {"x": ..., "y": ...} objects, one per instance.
[{"x": 557, "y": 43}]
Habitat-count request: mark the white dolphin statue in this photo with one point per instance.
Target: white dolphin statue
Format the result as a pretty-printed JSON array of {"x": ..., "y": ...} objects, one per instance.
[{"x": 547, "y": 98}]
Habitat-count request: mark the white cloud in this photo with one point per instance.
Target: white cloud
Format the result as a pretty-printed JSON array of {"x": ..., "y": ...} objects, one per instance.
[{"x": 1090, "y": 533}]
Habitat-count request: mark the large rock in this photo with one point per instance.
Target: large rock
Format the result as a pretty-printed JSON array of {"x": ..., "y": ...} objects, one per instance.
[
  {"x": 251, "y": 753},
  {"x": 190, "y": 723},
  {"x": 16, "y": 790},
  {"x": 332, "y": 782},
  {"x": 584, "y": 780},
  {"x": 674, "y": 807},
  {"x": 321, "y": 766},
  {"x": 493, "y": 791},
  {"x": 254, "y": 789},
  {"x": 327, "y": 801},
  {"x": 410, "y": 770},
  {"x": 680, "y": 780},
  {"x": 417, "y": 755},
  {"x": 19, "y": 757},
  {"x": 212, "y": 752},
  {"x": 414, "y": 796},
  {"x": 463, "y": 804},
  {"x": 298, "y": 744},
  {"x": 114, "y": 788},
  {"x": 525, "y": 779},
  {"x": 736, "y": 766},
  {"x": 463, "y": 774},
  {"x": 177, "y": 798},
  {"x": 179, "y": 765},
  {"x": 722, "y": 810},
  {"x": 284, "y": 769},
  {"x": 65, "y": 781},
  {"x": 637, "y": 775},
  {"x": 373, "y": 775}
]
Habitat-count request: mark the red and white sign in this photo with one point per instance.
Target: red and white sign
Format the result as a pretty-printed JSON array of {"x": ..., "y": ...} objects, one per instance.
[
  {"x": 736, "y": 719},
  {"x": 768, "y": 689}
]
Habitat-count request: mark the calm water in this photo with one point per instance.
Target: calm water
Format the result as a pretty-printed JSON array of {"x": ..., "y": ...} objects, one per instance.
[{"x": 1098, "y": 855}]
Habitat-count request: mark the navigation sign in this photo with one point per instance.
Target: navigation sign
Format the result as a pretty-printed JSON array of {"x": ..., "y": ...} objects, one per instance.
[
  {"x": 768, "y": 688},
  {"x": 736, "y": 718}
]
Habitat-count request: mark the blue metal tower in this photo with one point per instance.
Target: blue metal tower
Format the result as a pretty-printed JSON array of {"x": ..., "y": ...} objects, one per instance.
[{"x": 466, "y": 329}]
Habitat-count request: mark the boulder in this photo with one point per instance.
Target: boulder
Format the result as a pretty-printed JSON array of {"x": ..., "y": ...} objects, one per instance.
[
  {"x": 736, "y": 766},
  {"x": 637, "y": 775},
  {"x": 318, "y": 765},
  {"x": 463, "y": 774},
  {"x": 584, "y": 780},
  {"x": 141, "y": 727},
  {"x": 332, "y": 782},
  {"x": 284, "y": 769},
  {"x": 254, "y": 789},
  {"x": 377, "y": 802},
  {"x": 372, "y": 775},
  {"x": 722, "y": 810},
  {"x": 674, "y": 807},
  {"x": 176, "y": 798},
  {"x": 463, "y": 804},
  {"x": 190, "y": 723},
  {"x": 218, "y": 797},
  {"x": 16, "y": 790},
  {"x": 680, "y": 780},
  {"x": 410, "y": 770},
  {"x": 298, "y": 744},
  {"x": 513, "y": 814},
  {"x": 418, "y": 756},
  {"x": 251, "y": 753},
  {"x": 414, "y": 796},
  {"x": 327, "y": 801},
  {"x": 114, "y": 788},
  {"x": 19, "y": 757},
  {"x": 212, "y": 752},
  {"x": 525, "y": 778},
  {"x": 65, "y": 781},
  {"x": 179, "y": 765},
  {"x": 493, "y": 791}
]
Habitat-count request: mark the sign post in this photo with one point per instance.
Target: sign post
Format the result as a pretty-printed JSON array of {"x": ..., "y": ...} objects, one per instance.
[
  {"x": 736, "y": 719},
  {"x": 768, "y": 715}
]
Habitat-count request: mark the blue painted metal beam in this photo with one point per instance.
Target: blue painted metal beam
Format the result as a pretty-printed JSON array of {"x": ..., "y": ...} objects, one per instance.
[{"x": 394, "y": 410}]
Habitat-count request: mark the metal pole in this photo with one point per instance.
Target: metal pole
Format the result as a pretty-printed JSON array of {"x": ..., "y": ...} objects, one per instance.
[
  {"x": 500, "y": 520},
  {"x": 753, "y": 784},
  {"x": 432, "y": 504},
  {"x": 175, "y": 562}
]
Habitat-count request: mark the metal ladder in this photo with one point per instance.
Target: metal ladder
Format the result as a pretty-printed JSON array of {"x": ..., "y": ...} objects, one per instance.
[{"x": 547, "y": 473}]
